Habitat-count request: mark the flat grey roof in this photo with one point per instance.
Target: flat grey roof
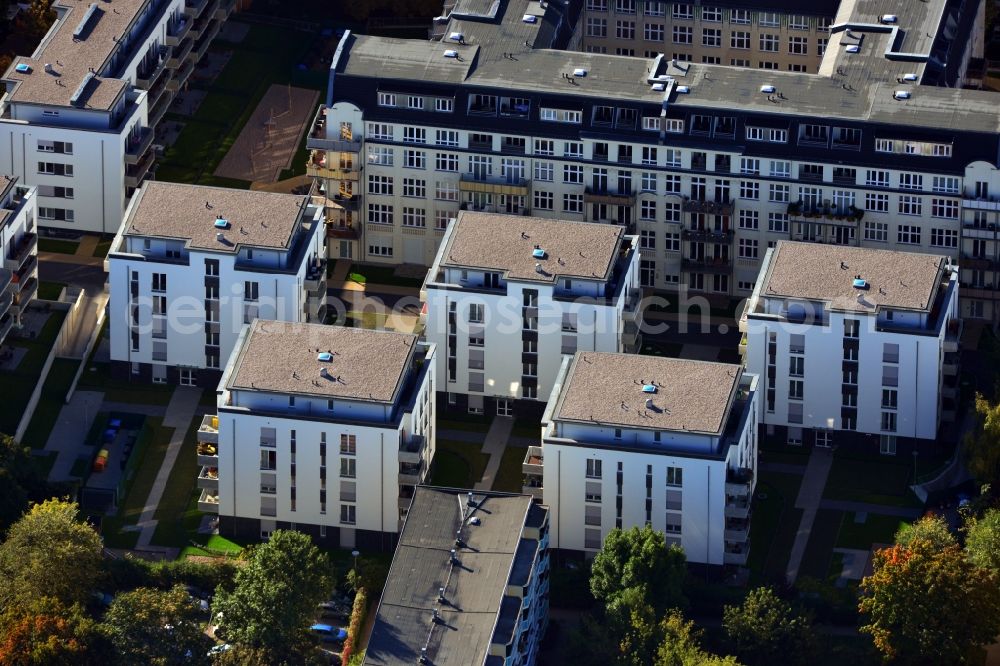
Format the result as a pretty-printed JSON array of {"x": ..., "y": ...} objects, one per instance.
[
  {"x": 475, "y": 589},
  {"x": 490, "y": 241},
  {"x": 813, "y": 271},
  {"x": 283, "y": 357},
  {"x": 72, "y": 58},
  {"x": 606, "y": 388},
  {"x": 189, "y": 212}
]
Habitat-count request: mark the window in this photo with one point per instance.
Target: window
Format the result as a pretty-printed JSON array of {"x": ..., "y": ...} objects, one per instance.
[
  {"x": 795, "y": 389},
  {"x": 380, "y": 155},
  {"x": 672, "y": 242},
  {"x": 415, "y": 102},
  {"x": 749, "y": 219},
  {"x": 908, "y": 234},
  {"x": 543, "y": 200},
  {"x": 597, "y": 27},
  {"x": 749, "y": 189},
  {"x": 572, "y": 173},
  {"x": 647, "y": 211},
  {"x": 55, "y": 169},
  {"x": 748, "y": 248},
  {"x": 797, "y": 22},
  {"x": 769, "y": 43},
  {"x": 446, "y": 137},
  {"x": 911, "y": 181},
  {"x": 386, "y": 99},
  {"x": 944, "y": 208},
  {"x": 711, "y": 37},
  {"x": 380, "y": 250},
  {"x": 414, "y": 217},
  {"x": 767, "y": 134},
  {"x": 380, "y": 214},
  {"x": 777, "y": 193},
  {"x": 781, "y": 169},
  {"x": 444, "y": 104},
  {"x": 268, "y": 460},
  {"x": 446, "y": 162},
  {"x": 594, "y": 468},
  {"x": 414, "y": 187},
  {"x": 414, "y": 159},
  {"x": 414, "y": 134},
  {"x": 889, "y": 421},
  {"x": 794, "y": 412},
  {"x": 798, "y": 45},
  {"x": 944, "y": 237},
  {"x": 379, "y": 184},
  {"x": 561, "y": 116},
  {"x": 251, "y": 291},
  {"x": 348, "y": 514},
  {"x": 777, "y": 223},
  {"x": 653, "y": 32},
  {"x": 573, "y": 203},
  {"x": 381, "y": 131},
  {"x": 945, "y": 184},
  {"x": 877, "y": 231},
  {"x": 625, "y": 29},
  {"x": 910, "y": 204},
  {"x": 684, "y": 11},
  {"x": 476, "y": 313},
  {"x": 796, "y": 366},
  {"x": 683, "y": 34},
  {"x": 739, "y": 40}
]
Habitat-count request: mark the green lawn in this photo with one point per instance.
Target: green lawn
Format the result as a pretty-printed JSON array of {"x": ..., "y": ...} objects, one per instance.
[
  {"x": 876, "y": 529},
  {"x": 371, "y": 273},
  {"x": 458, "y": 464},
  {"x": 874, "y": 479},
  {"x": 210, "y": 545},
  {"x": 49, "y": 291},
  {"x": 366, "y": 319},
  {"x": 819, "y": 549},
  {"x": 97, "y": 378},
  {"x": 177, "y": 514},
  {"x": 480, "y": 425},
  {"x": 669, "y": 349},
  {"x": 774, "y": 525},
  {"x": 15, "y": 390},
  {"x": 269, "y": 54},
  {"x": 59, "y": 246},
  {"x": 146, "y": 469},
  {"x": 509, "y": 477},
  {"x": 51, "y": 402},
  {"x": 102, "y": 248},
  {"x": 527, "y": 428}
]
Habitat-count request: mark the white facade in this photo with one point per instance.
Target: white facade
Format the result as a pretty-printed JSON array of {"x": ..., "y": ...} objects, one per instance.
[
  {"x": 694, "y": 487},
  {"x": 87, "y": 158},
  {"x": 174, "y": 306},
  {"x": 350, "y": 469},
  {"x": 19, "y": 246},
  {"x": 506, "y": 339},
  {"x": 886, "y": 372}
]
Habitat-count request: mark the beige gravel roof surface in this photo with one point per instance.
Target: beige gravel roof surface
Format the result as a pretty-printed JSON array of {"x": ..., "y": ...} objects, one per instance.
[
  {"x": 606, "y": 388},
  {"x": 506, "y": 242},
  {"x": 813, "y": 271},
  {"x": 282, "y": 357},
  {"x": 176, "y": 210}
]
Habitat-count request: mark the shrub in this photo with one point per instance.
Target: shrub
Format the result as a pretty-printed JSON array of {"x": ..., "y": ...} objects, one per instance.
[
  {"x": 354, "y": 628},
  {"x": 132, "y": 572}
]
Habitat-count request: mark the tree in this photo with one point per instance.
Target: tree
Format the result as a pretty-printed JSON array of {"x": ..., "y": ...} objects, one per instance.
[
  {"x": 45, "y": 633},
  {"x": 370, "y": 575},
  {"x": 931, "y": 528},
  {"x": 929, "y": 605},
  {"x": 681, "y": 646},
  {"x": 638, "y": 558},
  {"x": 49, "y": 553},
  {"x": 275, "y": 597},
  {"x": 20, "y": 480},
  {"x": 982, "y": 444},
  {"x": 40, "y": 17},
  {"x": 766, "y": 630},
  {"x": 149, "y": 626},
  {"x": 982, "y": 540}
]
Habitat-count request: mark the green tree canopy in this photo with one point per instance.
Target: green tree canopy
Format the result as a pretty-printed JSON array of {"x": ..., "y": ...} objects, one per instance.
[
  {"x": 20, "y": 481},
  {"x": 982, "y": 444},
  {"x": 157, "y": 627},
  {"x": 639, "y": 558},
  {"x": 49, "y": 553},
  {"x": 932, "y": 529},
  {"x": 46, "y": 633},
  {"x": 982, "y": 540},
  {"x": 275, "y": 597},
  {"x": 765, "y": 629},
  {"x": 929, "y": 605},
  {"x": 681, "y": 645}
]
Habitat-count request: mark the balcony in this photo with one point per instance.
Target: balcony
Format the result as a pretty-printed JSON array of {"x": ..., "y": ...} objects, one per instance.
[
  {"x": 984, "y": 231},
  {"x": 6, "y": 300},
  {"x": 315, "y": 308},
  {"x": 27, "y": 272},
  {"x": 631, "y": 337},
  {"x": 411, "y": 449},
  {"x": 603, "y": 195},
  {"x": 475, "y": 182},
  {"x": 953, "y": 335},
  {"x": 738, "y": 507},
  {"x": 6, "y": 323},
  {"x": 137, "y": 147},
  {"x": 707, "y": 207},
  {"x": 315, "y": 282},
  {"x": 410, "y": 474},
  {"x": 533, "y": 461},
  {"x": 336, "y": 168},
  {"x": 209, "y": 501},
  {"x": 633, "y": 302},
  {"x": 971, "y": 202},
  {"x": 151, "y": 75},
  {"x": 986, "y": 292},
  {"x": 177, "y": 31},
  {"x": 342, "y": 230},
  {"x": 346, "y": 201},
  {"x": 405, "y": 497},
  {"x": 737, "y": 532},
  {"x": 977, "y": 261},
  {"x": 708, "y": 235},
  {"x": 739, "y": 483},
  {"x": 208, "y": 432},
  {"x": 718, "y": 265},
  {"x": 949, "y": 365},
  {"x": 225, "y": 9},
  {"x": 736, "y": 557},
  {"x": 194, "y": 8},
  {"x": 20, "y": 252},
  {"x": 178, "y": 54},
  {"x": 825, "y": 214},
  {"x": 24, "y": 296},
  {"x": 208, "y": 455},
  {"x": 135, "y": 173},
  {"x": 208, "y": 478},
  {"x": 180, "y": 76}
]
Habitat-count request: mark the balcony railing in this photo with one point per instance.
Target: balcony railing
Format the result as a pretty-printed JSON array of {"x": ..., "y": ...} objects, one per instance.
[
  {"x": 208, "y": 478},
  {"x": 709, "y": 207},
  {"x": 208, "y": 432},
  {"x": 134, "y": 173},
  {"x": 6, "y": 323},
  {"x": 411, "y": 449},
  {"x": 533, "y": 462},
  {"x": 736, "y": 557},
  {"x": 194, "y": 8},
  {"x": 151, "y": 75},
  {"x": 409, "y": 474},
  {"x": 709, "y": 235},
  {"x": 208, "y": 454},
  {"x": 177, "y": 31},
  {"x": 137, "y": 147},
  {"x": 20, "y": 252},
  {"x": 819, "y": 213},
  {"x": 603, "y": 195},
  {"x": 475, "y": 182},
  {"x": 180, "y": 76},
  {"x": 24, "y": 296},
  {"x": 208, "y": 502},
  {"x": 329, "y": 164},
  {"x": 178, "y": 54},
  {"x": 720, "y": 265}
]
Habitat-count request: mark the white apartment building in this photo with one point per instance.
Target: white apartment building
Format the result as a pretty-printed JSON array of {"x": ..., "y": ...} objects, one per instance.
[
  {"x": 509, "y": 295},
  {"x": 641, "y": 440},
  {"x": 19, "y": 246},
  {"x": 854, "y": 345},
  {"x": 709, "y": 165},
  {"x": 77, "y": 116},
  {"x": 192, "y": 264},
  {"x": 323, "y": 429},
  {"x": 468, "y": 584}
]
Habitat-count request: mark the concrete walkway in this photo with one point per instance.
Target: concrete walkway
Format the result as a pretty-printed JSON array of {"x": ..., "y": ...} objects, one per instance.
[
  {"x": 85, "y": 324},
  {"x": 179, "y": 414},
  {"x": 494, "y": 445},
  {"x": 809, "y": 499},
  {"x": 68, "y": 434}
]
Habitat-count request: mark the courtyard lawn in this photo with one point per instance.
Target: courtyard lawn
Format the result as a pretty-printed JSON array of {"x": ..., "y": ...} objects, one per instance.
[
  {"x": 873, "y": 479},
  {"x": 97, "y": 377},
  {"x": 16, "y": 389},
  {"x": 458, "y": 464},
  {"x": 177, "y": 514},
  {"x": 147, "y": 468},
  {"x": 373, "y": 274},
  {"x": 58, "y": 246},
  {"x": 509, "y": 477},
  {"x": 49, "y": 291},
  {"x": 51, "y": 402},
  {"x": 819, "y": 549},
  {"x": 774, "y": 525},
  {"x": 876, "y": 529},
  {"x": 102, "y": 248}
]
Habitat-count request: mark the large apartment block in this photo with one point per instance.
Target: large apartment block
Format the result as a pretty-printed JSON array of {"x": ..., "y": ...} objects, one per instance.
[
  {"x": 776, "y": 35},
  {"x": 509, "y": 295},
  {"x": 323, "y": 429},
  {"x": 468, "y": 584},
  {"x": 19, "y": 247},
  {"x": 854, "y": 345},
  {"x": 709, "y": 165},
  {"x": 192, "y": 264},
  {"x": 633, "y": 440},
  {"x": 77, "y": 116}
]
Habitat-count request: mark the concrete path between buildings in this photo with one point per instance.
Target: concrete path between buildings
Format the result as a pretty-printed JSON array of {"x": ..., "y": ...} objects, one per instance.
[
  {"x": 180, "y": 411},
  {"x": 494, "y": 445},
  {"x": 68, "y": 434},
  {"x": 84, "y": 323},
  {"x": 809, "y": 499}
]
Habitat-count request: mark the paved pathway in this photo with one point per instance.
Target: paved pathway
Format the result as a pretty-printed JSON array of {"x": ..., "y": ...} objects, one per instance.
[
  {"x": 494, "y": 444},
  {"x": 179, "y": 414},
  {"x": 809, "y": 499},
  {"x": 67, "y": 436},
  {"x": 85, "y": 326}
]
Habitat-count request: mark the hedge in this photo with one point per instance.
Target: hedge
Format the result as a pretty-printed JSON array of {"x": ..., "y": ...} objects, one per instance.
[{"x": 358, "y": 612}]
